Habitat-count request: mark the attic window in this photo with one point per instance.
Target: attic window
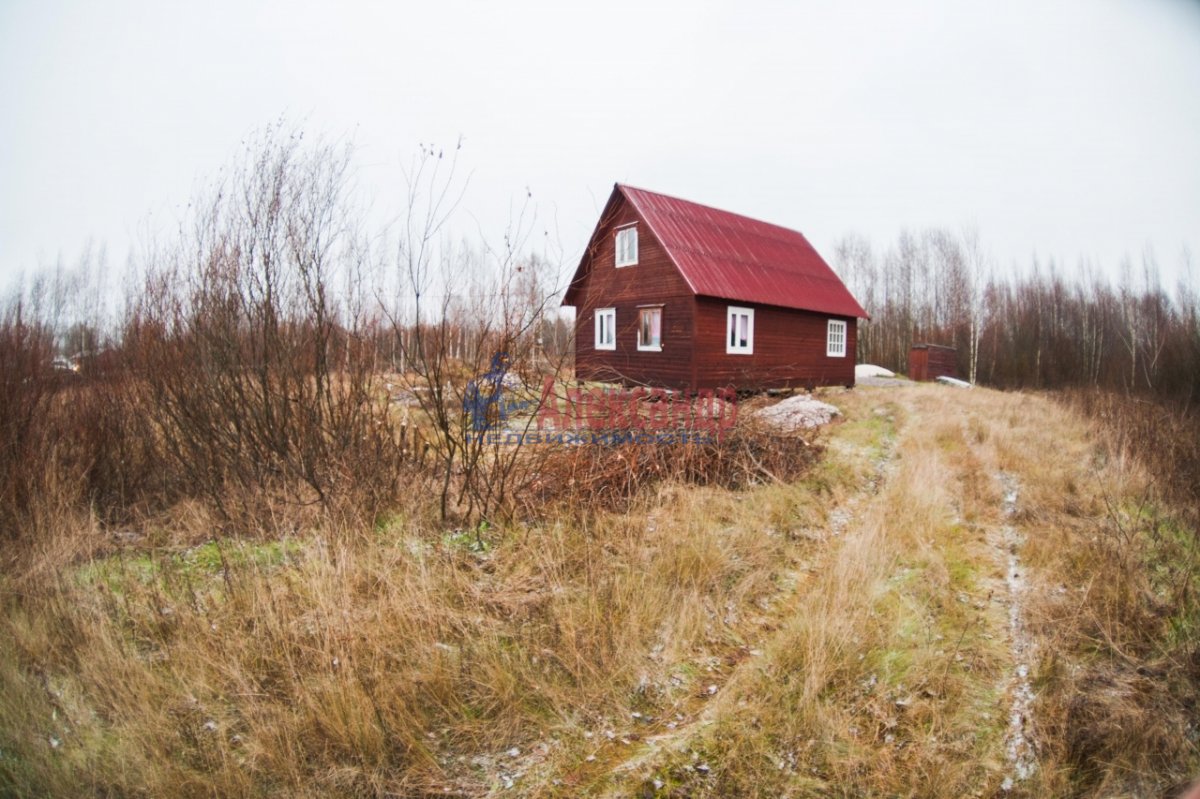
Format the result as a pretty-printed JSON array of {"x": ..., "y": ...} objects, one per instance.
[
  {"x": 739, "y": 330},
  {"x": 835, "y": 339},
  {"x": 627, "y": 246}
]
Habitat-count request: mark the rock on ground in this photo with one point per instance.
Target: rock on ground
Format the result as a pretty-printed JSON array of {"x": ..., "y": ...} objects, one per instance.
[{"x": 800, "y": 412}]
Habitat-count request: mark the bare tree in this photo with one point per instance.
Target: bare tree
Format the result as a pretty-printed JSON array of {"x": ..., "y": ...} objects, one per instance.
[
  {"x": 977, "y": 268},
  {"x": 258, "y": 374},
  {"x": 467, "y": 332}
]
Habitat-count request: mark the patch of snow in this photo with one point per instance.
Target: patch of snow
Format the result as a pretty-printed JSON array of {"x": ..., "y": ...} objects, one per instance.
[
  {"x": 953, "y": 381},
  {"x": 1018, "y": 748},
  {"x": 838, "y": 519},
  {"x": 871, "y": 370},
  {"x": 799, "y": 412}
]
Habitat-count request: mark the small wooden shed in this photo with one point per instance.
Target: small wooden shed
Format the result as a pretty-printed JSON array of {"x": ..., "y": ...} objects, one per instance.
[{"x": 931, "y": 361}]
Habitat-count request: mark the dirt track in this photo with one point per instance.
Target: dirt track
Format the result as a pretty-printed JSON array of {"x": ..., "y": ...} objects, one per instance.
[{"x": 950, "y": 585}]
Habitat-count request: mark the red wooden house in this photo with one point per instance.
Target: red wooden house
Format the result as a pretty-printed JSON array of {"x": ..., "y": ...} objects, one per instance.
[{"x": 675, "y": 294}]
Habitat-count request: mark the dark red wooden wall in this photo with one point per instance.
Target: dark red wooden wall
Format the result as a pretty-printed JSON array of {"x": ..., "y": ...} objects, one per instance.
[
  {"x": 789, "y": 345},
  {"x": 789, "y": 349},
  {"x": 654, "y": 279}
]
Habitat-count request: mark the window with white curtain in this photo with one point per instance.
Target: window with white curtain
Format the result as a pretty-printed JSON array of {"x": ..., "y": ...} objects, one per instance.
[{"x": 650, "y": 329}]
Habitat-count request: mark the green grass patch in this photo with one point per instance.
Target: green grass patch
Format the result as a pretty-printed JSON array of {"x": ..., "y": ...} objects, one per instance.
[{"x": 119, "y": 572}]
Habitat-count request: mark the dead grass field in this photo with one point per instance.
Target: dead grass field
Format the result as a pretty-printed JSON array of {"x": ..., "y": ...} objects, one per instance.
[{"x": 850, "y": 633}]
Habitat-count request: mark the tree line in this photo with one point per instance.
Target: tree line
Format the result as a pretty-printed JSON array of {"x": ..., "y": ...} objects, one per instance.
[{"x": 1043, "y": 327}]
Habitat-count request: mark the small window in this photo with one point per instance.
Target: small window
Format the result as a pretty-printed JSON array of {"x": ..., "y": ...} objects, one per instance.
[
  {"x": 627, "y": 246},
  {"x": 835, "y": 339},
  {"x": 650, "y": 329},
  {"x": 606, "y": 328},
  {"x": 739, "y": 331}
]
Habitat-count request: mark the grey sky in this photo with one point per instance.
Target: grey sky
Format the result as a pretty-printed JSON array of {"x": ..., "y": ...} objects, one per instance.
[{"x": 1065, "y": 128}]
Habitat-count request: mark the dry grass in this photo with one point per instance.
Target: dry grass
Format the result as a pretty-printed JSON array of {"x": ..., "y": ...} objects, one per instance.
[
  {"x": 895, "y": 675},
  {"x": 393, "y": 663},
  {"x": 840, "y": 633},
  {"x": 882, "y": 681},
  {"x": 1119, "y": 618}
]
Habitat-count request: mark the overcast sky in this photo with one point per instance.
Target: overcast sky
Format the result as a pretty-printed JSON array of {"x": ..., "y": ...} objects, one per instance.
[{"x": 1062, "y": 128}]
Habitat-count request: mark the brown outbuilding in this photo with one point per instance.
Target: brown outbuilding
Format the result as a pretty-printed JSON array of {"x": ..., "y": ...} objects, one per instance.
[{"x": 931, "y": 361}]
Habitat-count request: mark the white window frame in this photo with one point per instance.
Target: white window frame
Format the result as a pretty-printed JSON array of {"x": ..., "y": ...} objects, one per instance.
[
  {"x": 642, "y": 347},
  {"x": 611, "y": 315},
  {"x": 732, "y": 314},
  {"x": 627, "y": 246},
  {"x": 835, "y": 339}
]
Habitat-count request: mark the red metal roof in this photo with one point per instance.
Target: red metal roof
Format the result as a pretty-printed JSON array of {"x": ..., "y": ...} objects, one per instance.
[
  {"x": 737, "y": 258},
  {"x": 733, "y": 257}
]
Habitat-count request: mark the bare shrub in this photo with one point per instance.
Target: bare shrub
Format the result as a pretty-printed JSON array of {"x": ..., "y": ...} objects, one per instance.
[
  {"x": 1162, "y": 434},
  {"x": 27, "y": 387},
  {"x": 469, "y": 340},
  {"x": 257, "y": 377},
  {"x": 588, "y": 477},
  {"x": 73, "y": 441}
]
